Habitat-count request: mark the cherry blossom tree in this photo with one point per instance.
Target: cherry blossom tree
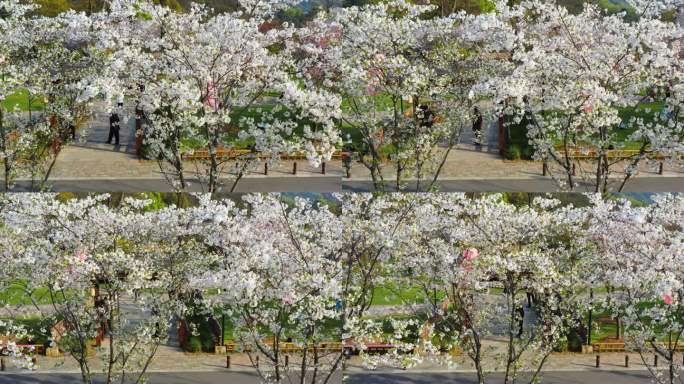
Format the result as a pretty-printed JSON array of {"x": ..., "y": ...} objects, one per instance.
[
  {"x": 472, "y": 260},
  {"x": 285, "y": 280},
  {"x": 581, "y": 103},
  {"x": 405, "y": 80},
  {"x": 54, "y": 62},
  {"x": 10, "y": 330},
  {"x": 100, "y": 265},
  {"x": 373, "y": 226},
  {"x": 203, "y": 72},
  {"x": 638, "y": 254},
  {"x": 16, "y": 37},
  {"x": 298, "y": 280}
]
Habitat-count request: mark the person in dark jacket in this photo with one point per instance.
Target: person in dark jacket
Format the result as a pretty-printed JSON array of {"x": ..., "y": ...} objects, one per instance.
[
  {"x": 114, "y": 126},
  {"x": 427, "y": 117},
  {"x": 477, "y": 126},
  {"x": 521, "y": 320}
]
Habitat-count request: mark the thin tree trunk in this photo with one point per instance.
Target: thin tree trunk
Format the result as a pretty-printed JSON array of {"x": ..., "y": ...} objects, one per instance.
[
  {"x": 178, "y": 164},
  {"x": 6, "y": 160},
  {"x": 512, "y": 313}
]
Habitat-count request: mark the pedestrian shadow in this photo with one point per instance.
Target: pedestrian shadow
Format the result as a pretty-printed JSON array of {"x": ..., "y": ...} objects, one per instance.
[
  {"x": 535, "y": 174},
  {"x": 53, "y": 378},
  {"x": 96, "y": 146},
  {"x": 478, "y": 149}
]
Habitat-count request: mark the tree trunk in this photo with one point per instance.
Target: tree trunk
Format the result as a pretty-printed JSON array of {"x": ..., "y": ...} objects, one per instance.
[{"x": 3, "y": 147}]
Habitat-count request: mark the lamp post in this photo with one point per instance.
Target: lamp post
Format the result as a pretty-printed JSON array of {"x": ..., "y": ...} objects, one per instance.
[
  {"x": 591, "y": 303},
  {"x": 223, "y": 329}
]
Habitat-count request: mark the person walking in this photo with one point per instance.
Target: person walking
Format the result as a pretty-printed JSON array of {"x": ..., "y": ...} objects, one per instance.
[
  {"x": 114, "y": 127},
  {"x": 477, "y": 126},
  {"x": 426, "y": 116},
  {"x": 521, "y": 320}
]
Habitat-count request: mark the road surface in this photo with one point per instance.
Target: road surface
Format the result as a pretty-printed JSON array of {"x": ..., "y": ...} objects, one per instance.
[
  {"x": 335, "y": 184},
  {"x": 261, "y": 184},
  {"x": 574, "y": 377},
  {"x": 639, "y": 184}
]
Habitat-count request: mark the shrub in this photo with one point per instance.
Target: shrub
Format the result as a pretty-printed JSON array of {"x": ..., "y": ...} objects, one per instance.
[
  {"x": 207, "y": 344},
  {"x": 513, "y": 152},
  {"x": 574, "y": 342},
  {"x": 194, "y": 344},
  {"x": 561, "y": 345},
  {"x": 528, "y": 152}
]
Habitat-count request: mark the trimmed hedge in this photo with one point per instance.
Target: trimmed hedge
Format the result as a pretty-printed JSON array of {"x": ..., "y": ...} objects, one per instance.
[{"x": 518, "y": 145}]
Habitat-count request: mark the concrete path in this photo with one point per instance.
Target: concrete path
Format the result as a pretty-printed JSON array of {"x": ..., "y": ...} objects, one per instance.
[
  {"x": 94, "y": 166},
  {"x": 98, "y": 132},
  {"x": 568, "y": 377},
  {"x": 248, "y": 184},
  {"x": 489, "y": 142},
  {"x": 536, "y": 184}
]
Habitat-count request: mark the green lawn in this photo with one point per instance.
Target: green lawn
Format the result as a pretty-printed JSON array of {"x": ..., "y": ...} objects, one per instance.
[
  {"x": 330, "y": 330},
  {"x": 15, "y": 296},
  {"x": 646, "y": 111},
  {"x": 21, "y": 100},
  {"x": 601, "y": 329},
  {"x": 397, "y": 296}
]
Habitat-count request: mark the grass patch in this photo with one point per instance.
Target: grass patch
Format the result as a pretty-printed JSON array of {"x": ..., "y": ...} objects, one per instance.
[
  {"x": 16, "y": 296},
  {"x": 648, "y": 112},
  {"x": 397, "y": 296},
  {"x": 22, "y": 100}
]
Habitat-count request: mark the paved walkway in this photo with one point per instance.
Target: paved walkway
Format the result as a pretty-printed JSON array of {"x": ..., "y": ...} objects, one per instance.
[
  {"x": 366, "y": 377},
  {"x": 92, "y": 159},
  {"x": 171, "y": 359},
  {"x": 489, "y": 142}
]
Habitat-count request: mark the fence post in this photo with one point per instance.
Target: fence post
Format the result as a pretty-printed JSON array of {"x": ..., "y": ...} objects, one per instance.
[
  {"x": 626, "y": 361},
  {"x": 287, "y": 360},
  {"x": 294, "y": 168},
  {"x": 598, "y": 361},
  {"x": 323, "y": 167},
  {"x": 228, "y": 361},
  {"x": 257, "y": 362},
  {"x": 545, "y": 168},
  {"x": 655, "y": 360},
  {"x": 266, "y": 169},
  {"x": 661, "y": 168}
]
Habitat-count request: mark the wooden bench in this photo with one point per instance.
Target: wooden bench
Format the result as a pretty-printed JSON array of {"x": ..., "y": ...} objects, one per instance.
[
  {"x": 374, "y": 347},
  {"x": 331, "y": 346},
  {"x": 230, "y": 154},
  {"x": 609, "y": 347},
  {"x": 378, "y": 347},
  {"x": 620, "y": 347},
  {"x": 289, "y": 347},
  {"x": 579, "y": 153},
  {"x": 622, "y": 154},
  {"x": 203, "y": 154}
]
